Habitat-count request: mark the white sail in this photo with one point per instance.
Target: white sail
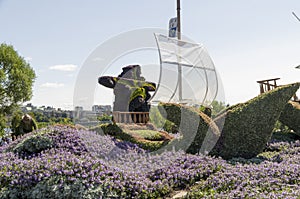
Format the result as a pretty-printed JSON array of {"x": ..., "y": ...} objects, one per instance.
[{"x": 187, "y": 64}]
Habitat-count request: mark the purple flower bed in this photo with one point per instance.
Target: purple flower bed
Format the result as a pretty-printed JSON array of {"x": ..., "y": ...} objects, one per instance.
[
  {"x": 82, "y": 164},
  {"x": 278, "y": 176},
  {"x": 67, "y": 163}
]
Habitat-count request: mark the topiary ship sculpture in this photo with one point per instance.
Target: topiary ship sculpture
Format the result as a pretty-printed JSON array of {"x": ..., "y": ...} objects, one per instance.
[{"x": 247, "y": 128}]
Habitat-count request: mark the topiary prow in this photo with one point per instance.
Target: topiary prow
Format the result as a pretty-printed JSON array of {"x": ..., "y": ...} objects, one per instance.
[{"x": 248, "y": 126}]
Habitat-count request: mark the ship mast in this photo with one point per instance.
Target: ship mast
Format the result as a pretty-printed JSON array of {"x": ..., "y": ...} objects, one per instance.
[{"x": 179, "y": 65}]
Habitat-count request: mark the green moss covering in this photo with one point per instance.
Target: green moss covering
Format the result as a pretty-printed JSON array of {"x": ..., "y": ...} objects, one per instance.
[
  {"x": 248, "y": 126},
  {"x": 146, "y": 136},
  {"x": 290, "y": 116},
  {"x": 197, "y": 129},
  {"x": 112, "y": 129}
]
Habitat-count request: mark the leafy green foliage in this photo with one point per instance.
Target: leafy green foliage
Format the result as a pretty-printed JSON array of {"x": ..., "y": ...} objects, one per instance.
[
  {"x": 16, "y": 80},
  {"x": 104, "y": 118},
  {"x": 40, "y": 117},
  {"x": 48, "y": 189},
  {"x": 60, "y": 120},
  {"x": 217, "y": 107},
  {"x": 2, "y": 124},
  {"x": 46, "y": 120},
  {"x": 33, "y": 144},
  {"x": 15, "y": 122}
]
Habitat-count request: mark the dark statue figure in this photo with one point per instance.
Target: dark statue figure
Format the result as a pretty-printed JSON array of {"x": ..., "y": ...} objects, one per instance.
[{"x": 130, "y": 89}]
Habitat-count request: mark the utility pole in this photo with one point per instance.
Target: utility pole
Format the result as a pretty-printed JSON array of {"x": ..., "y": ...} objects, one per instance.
[{"x": 179, "y": 65}]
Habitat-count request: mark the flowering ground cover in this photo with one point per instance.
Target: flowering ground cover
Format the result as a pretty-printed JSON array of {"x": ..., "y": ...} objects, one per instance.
[
  {"x": 274, "y": 173},
  {"x": 63, "y": 162}
]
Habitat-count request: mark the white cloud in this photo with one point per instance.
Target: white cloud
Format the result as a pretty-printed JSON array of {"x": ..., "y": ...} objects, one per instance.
[
  {"x": 51, "y": 85},
  {"x": 63, "y": 67}
]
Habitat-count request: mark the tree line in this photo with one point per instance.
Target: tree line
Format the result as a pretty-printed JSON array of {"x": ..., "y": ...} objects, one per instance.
[{"x": 16, "y": 82}]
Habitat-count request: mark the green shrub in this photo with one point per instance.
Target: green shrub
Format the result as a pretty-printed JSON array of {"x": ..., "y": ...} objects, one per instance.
[
  {"x": 248, "y": 126},
  {"x": 57, "y": 187},
  {"x": 290, "y": 116},
  {"x": 15, "y": 122},
  {"x": 105, "y": 117},
  {"x": 33, "y": 144}
]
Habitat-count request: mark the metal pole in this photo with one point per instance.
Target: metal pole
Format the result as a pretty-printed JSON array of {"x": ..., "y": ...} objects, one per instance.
[
  {"x": 179, "y": 38},
  {"x": 178, "y": 20}
]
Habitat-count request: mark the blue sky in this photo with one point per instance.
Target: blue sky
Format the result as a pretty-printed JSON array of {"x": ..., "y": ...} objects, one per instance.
[{"x": 247, "y": 40}]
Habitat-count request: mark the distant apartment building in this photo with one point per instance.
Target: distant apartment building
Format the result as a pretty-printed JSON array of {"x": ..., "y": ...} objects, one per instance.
[
  {"x": 79, "y": 114},
  {"x": 100, "y": 110}
]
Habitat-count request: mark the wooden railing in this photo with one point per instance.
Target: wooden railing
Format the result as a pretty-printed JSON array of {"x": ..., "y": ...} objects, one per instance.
[
  {"x": 267, "y": 85},
  {"x": 130, "y": 117},
  {"x": 270, "y": 84}
]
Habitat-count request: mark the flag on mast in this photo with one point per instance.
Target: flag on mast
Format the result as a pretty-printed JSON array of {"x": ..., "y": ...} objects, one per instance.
[{"x": 173, "y": 27}]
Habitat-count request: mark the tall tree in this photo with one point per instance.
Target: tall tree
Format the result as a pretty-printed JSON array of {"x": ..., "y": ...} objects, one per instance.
[{"x": 16, "y": 81}]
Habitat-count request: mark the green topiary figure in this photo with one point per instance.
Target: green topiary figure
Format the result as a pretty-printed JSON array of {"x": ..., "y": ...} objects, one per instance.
[
  {"x": 27, "y": 124},
  {"x": 130, "y": 89},
  {"x": 21, "y": 125},
  {"x": 248, "y": 126},
  {"x": 290, "y": 116}
]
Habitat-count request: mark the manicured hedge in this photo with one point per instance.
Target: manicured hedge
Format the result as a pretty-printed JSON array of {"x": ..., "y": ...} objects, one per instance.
[
  {"x": 290, "y": 116},
  {"x": 197, "y": 129},
  {"x": 248, "y": 126}
]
